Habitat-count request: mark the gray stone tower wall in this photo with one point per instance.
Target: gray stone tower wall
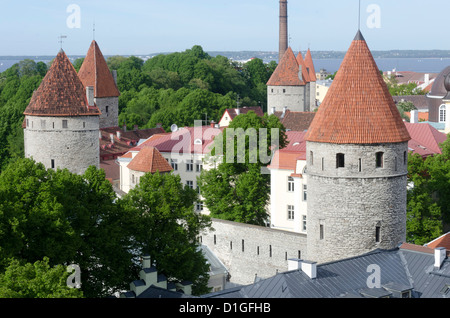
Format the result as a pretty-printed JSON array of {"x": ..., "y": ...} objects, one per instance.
[
  {"x": 348, "y": 206},
  {"x": 292, "y": 97},
  {"x": 76, "y": 147},
  {"x": 109, "y": 107}
]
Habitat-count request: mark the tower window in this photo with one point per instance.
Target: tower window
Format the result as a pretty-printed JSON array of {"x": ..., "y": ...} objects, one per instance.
[
  {"x": 405, "y": 158},
  {"x": 305, "y": 192},
  {"x": 53, "y": 163},
  {"x": 340, "y": 160},
  {"x": 379, "y": 159},
  {"x": 311, "y": 156},
  {"x": 360, "y": 165},
  {"x": 64, "y": 124},
  {"x": 107, "y": 109},
  {"x": 323, "y": 164},
  {"x": 377, "y": 234},
  {"x": 321, "y": 232}
]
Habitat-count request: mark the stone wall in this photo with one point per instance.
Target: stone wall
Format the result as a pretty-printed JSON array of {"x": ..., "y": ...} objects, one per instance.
[
  {"x": 75, "y": 147},
  {"x": 110, "y": 116},
  {"x": 248, "y": 251},
  {"x": 293, "y": 97},
  {"x": 359, "y": 207}
]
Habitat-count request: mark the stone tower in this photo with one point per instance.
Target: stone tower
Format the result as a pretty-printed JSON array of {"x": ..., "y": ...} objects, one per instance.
[
  {"x": 290, "y": 85},
  {"x": 95, "y": 72},
  {"x": 62, "y": 121},
  {"x": 357, "y": 149},
  {"x": 283, "y": 29}
]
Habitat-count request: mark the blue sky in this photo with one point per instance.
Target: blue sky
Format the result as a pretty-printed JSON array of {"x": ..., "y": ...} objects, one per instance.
[{"x": 32, "y": 27}]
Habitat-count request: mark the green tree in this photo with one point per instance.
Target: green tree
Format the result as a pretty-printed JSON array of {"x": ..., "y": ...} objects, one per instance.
[
  {"x": 239, "y": 188},
  {"x": 71, "y": 219},
  {"x": 37, "y": 280},
  {"x": 167, "y": 227}
]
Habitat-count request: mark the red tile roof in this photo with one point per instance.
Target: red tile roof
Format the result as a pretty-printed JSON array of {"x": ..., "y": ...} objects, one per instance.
[
  {"x": 286, "y": 158},
  {"x": 358, "y": 108},
  {"x": 425, "y": 139},
  {"x": 232, "y": 112},
  {"x": 149, "y": 159},
  {"x": 61, "y": 92},
  {"x": 296, "y": 121},
  {"x": 301, "y": 62},
  {"x": 186, "y": 140},
  {"x": 95, "y": 72},
  {"x": 442, "y": 241},
  {"x": 128, "y": 140},
  {"x": 310, "y": 65},
  {"x": 287, "y": 71}
]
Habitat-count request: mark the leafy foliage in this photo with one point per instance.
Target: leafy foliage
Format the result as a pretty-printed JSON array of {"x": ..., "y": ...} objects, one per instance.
[
  {"x": 238, "y": 189},
  {"x": 428, "y": 210}
]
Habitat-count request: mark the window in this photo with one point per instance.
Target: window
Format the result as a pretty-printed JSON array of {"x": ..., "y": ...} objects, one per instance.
[
  {"x": 290, "y": 212},
  {"x": 190, "y": 165},
  {"x": 42, "y": 124},
  {"x": 290, "y": 184},
  {"x": 174, "y": 164},
  {"x": 305, "y": 192},
  {"x": 133, "y": 179},
  {"x": 284, "y": 90},
  {"x": 340, "y": 160},
  {"x": 190, "y": 184},
  {"x": 64, "y": 124},
  {"x": 107, "y": 109},
  {"x": 323, "y": 164},
  {"x": 199, "y": 206},
  {"x": 311, "y": 157},
  {"x": 379, "y": 159},
  {"x": 304, "y": 223},
  {"x": 377, "y": 234},
  {"x": 405, "y": 158},
  {"x": 321, "y": 231},
  {"x": 84, "y": 124},
  {"x": 360, "y": 164},
  {"x": 442, "y": 114},
  {"x": 395, "y": 163},
  {"x": 199, "y": 166},
  {"x": 28, "y": 123},
  {"x": 53, "y": 163}
]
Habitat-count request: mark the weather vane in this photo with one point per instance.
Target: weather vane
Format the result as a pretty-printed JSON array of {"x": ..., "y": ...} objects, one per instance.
[{"x": 61, "y": 37}]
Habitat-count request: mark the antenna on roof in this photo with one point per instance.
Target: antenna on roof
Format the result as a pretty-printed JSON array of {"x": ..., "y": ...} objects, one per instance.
[
  {"x": 61, "y": 37},
  {"x": 359, "y": 16},
  {"x": 93, "y": 31}
]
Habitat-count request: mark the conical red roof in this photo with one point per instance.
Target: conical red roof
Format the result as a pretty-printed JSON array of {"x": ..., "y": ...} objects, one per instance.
[
  {"x": 61, "y": 92},
  {"x": 95, "y": 72},
  {"x": 149, "y": 159},
  {"x": 287, "y": 71},
  {"x": 301, "y": 62},
  {"x": 310, "y": 65},
  {"x": 358, "y": 108}
]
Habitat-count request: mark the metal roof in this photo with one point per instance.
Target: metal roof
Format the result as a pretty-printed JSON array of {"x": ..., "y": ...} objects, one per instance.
[{"x": 400, "y": 270}]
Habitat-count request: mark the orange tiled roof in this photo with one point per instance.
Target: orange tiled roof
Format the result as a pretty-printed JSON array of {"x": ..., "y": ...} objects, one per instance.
[
  {"x": 149, "y": 159},
  {"x": 61, "y": 92},
  {"x": 286, "y": 73},
  {"x": 310, "y": 65},
  {"x": 358, "y": 108},
  {"x": 442, "y": 241},
  {"x": 301, "y": 62},
  {"x": 95, "y": 72}
]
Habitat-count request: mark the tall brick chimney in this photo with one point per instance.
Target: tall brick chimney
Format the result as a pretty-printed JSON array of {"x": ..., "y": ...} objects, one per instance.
[{"x": 283, "y": 28}]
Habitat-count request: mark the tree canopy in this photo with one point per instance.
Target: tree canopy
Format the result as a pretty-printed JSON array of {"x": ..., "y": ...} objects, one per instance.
[{"x": 239, "y": 188}]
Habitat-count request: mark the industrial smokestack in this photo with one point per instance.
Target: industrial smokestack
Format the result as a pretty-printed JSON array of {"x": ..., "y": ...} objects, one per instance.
[{"x": 283, "y": 28}]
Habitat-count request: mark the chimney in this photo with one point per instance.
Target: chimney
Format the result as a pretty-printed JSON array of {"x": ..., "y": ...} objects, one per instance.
[
  {"x": 114, "y": 74},
  {"x": 439, "y": 256},
  {"x": 283, "y": 29},
  {"x": 285, "y": 108},
  {"x": 112, "y": 138},
  {"x": 414, "y": 116},
  {"x": 273, "y": 110},
  {"x": 124, "y": 128},
  {"x": 213, "y": 124},
  {"x": 426, "y": 78},
  {"x": 310, "y": 269},
  {"x": 119, "y": 134},
  {"x": 90, "y": 95},
  {"x": 146, "y": 261},
  {"x": 238, "y": 111},
  {"x": 294, "y": 264}
]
